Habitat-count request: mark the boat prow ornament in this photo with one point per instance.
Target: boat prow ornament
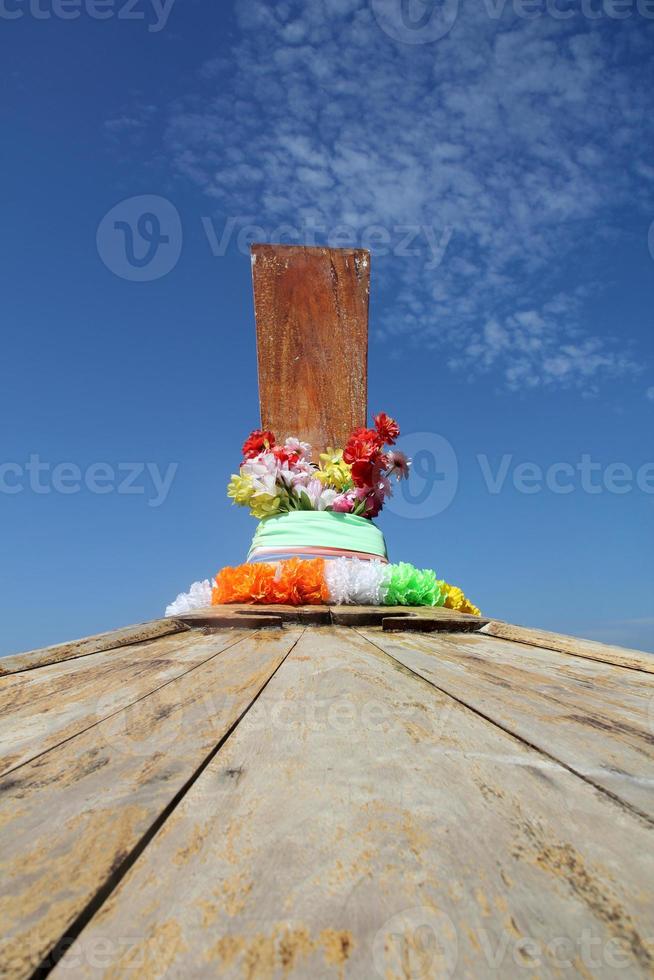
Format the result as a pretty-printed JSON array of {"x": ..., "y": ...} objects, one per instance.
[{"x": 317, "y": 473}]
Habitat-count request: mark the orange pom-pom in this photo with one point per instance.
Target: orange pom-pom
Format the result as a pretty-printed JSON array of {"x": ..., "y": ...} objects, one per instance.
[{"x": 294, "y": 582}]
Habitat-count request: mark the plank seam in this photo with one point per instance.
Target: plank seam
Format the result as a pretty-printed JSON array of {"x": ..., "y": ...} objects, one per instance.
[
  {"x": 182, "y": 627},
  {"x": 124, "y": 707},
  {"x": 568, "y": 653},
  {"x": 629, "y": 807},
  {"x": 55, "y": 954}
]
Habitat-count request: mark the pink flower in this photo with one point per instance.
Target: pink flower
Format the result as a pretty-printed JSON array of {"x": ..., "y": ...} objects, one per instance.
[
  {"x": 398, "y": 464},
  {"x": 344, "y": 503}
]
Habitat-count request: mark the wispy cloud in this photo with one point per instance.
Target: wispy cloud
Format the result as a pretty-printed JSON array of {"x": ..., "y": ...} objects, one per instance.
[{"x": 522, "y": 137}]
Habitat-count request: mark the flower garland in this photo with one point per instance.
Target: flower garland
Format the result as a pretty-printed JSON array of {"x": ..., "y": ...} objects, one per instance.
[
  {"x": 298, "y": 581},
  {"x": 276, "y": 479}
]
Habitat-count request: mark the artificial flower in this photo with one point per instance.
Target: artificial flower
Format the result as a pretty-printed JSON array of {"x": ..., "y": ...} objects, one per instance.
[
  {"x": 398, "y": 464},
  {"x": 411, "y": 586},
  {"x": 257, "y": 442},
  {"x": 363, "y": 445},
  {"x": 344, "y": 503},
  {"x": 278, "y": 478},
  {"x": 312, "y": 581},
  {"x": 240, "y": 489},
  {"x": 334, "y": 470},
  {"x": 197, "y": 597},
  {"x": 301, "y": 449},
  {"x": 387, "y": 428},
  {"x": 264, "y": 505}
]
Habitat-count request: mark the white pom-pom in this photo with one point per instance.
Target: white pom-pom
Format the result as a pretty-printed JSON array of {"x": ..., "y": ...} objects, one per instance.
[
  {"x": 197, "y": 597},
  {"x": 361, "y": 583}
]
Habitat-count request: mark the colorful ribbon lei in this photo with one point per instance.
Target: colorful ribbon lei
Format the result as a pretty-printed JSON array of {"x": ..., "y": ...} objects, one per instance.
[{"x": 299, "y": 581}]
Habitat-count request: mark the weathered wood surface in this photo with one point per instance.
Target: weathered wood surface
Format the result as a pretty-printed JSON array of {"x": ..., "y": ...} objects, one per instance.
[
  {"x": 90, "y": 644},
  {"x": 573, "y": 645},
  {"x": 40, "y": 709},
  {"x": 420, "y": 618},
  {"x": 595, "y": 718},
  {"x": 73, "y": 819},
  {"x": 359, "y": 822},
  {"x": 311, "y": 309}
]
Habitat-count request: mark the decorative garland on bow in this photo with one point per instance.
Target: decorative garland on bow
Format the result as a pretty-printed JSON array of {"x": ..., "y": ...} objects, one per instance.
[{"x": 299, "y": 581}]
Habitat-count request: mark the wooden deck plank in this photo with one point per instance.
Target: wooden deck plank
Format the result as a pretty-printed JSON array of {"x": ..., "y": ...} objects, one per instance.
[
  {"x": 572, "y": 645},
  {"x": 595, "y": 718},
  {"x": 41, "y": 708},
  {"x": 419, "y": 618},
  {"x": 358, "y": 822},
  {"x": 89, "y": 644},
  {"x": 311, "y": 310},
  {"x": 72, "y": 819}
]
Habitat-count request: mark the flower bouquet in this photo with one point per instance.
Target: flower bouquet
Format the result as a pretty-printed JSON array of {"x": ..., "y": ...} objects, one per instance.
[{"x": 280, "y": 478}]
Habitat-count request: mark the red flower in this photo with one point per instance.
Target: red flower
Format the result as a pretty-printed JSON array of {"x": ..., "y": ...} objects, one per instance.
[
  {"x": 363, "y": 445},
  {"x": 284, "y": 456},
  {"x": 257, "y": 442},
  {"x": 362, "y": 473},
  {"x": 387, "y": 428}
]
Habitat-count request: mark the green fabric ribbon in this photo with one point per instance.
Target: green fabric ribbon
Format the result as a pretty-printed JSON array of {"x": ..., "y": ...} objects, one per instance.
[{"x": 319, "y": 529}]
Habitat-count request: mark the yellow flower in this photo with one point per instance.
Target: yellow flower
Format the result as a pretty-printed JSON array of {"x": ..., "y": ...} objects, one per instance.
[
  {"x": 240, "y": 489},
  {"x": 333, "y": 471},
  {"x": 264, "y": 505},
  {"x": 455, "y": 599}
]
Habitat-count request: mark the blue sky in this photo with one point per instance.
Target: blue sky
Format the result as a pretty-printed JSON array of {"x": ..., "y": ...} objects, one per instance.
[{"x": 497, "y": 157}]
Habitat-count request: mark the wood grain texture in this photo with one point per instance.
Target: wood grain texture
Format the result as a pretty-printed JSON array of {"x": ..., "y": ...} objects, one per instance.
[
  {"x": 573, "y": 645},
  {"x": 71, "y": 820},
  {"x": 311, "y": 309},
  {"x": 41, "y": 708},
  {"x": 90, "y": 644},
  {"x": 378, "y": 828},
  {"x": 597, "y": 719},
  {"x": 420, "y": 618}
]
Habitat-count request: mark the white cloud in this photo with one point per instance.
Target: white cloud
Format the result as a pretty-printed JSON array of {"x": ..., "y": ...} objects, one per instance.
[
  {"x": 520, "y": 136},
  {"x": 649, "y": 393}
]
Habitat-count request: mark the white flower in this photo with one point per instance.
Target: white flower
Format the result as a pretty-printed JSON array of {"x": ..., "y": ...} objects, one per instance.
[
  {"x": 197, "y": 597},
  {"x": 398, "y": 464},
  {"x": 364, "y": 583},
  {"x": 303, "y": 449}
]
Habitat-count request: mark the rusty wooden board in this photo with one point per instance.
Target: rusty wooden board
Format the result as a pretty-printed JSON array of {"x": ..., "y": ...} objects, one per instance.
[
  {"x": 573, "y": 645},
  {"x": 90, "y": 644},
  {"x": 74, "y": 818},
  {"x": 596, "y": 718},
  {"x": 359, "y": 822},
  {"x": 311, "y": 310}
]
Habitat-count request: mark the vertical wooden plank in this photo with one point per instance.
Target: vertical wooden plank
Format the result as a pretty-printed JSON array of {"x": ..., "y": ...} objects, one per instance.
[{"x": 311, "y": 309}]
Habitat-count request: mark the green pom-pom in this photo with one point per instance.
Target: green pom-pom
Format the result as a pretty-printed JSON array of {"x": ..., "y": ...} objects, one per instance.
[{"x": 411, "y": 586}]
